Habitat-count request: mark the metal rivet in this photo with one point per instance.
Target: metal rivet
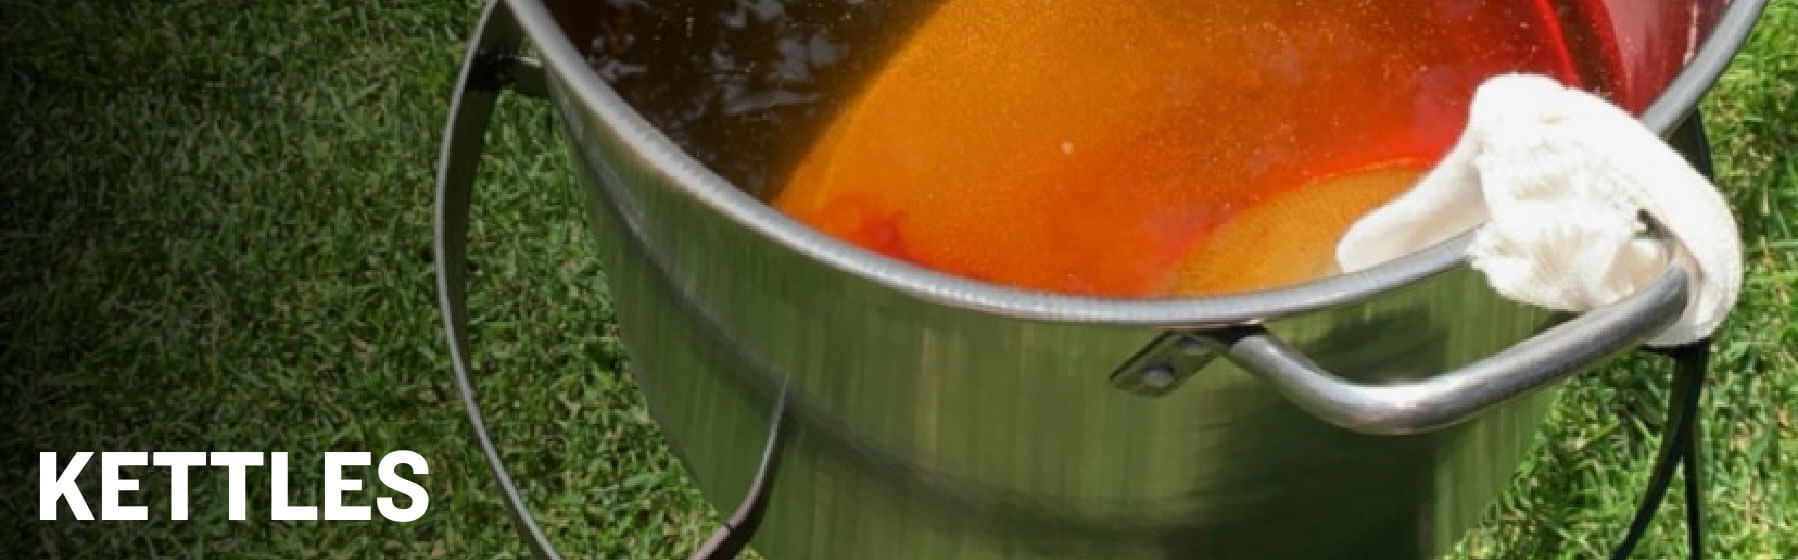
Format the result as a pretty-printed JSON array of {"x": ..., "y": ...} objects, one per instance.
[{"x": 1158, "y": 377}]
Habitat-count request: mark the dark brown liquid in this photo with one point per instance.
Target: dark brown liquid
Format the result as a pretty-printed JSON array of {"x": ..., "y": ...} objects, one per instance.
[{"x": 743, "y": 85}]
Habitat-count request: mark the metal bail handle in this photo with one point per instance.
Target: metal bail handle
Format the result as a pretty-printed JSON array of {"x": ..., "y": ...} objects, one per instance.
[
  {"x": 1441, "y": 400},
  {"x": 1456, "y": 396},
  {"x": 491, "y": 66},
  {"x": 471, "y": 110}
]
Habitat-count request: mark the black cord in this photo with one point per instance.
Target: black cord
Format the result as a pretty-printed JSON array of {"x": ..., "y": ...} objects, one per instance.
[{"x": 1679, "y": 447}]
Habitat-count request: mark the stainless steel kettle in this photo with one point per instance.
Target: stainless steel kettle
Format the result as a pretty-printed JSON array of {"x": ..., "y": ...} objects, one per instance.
[{"x": 852, "y": 406}]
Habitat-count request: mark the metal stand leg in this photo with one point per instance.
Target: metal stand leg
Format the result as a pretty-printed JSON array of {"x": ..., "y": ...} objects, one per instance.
[
  {"x": 734, "y": 536},
  {"x": 1695, "y": 144},
  {"x": 471, "y": 110},
  {"x": 1681, "y": 438},
  {"x": 491, "y": 66}
]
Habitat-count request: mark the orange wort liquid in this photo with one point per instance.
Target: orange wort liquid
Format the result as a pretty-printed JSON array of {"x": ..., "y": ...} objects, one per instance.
[{"x": 1144, "y": 148}]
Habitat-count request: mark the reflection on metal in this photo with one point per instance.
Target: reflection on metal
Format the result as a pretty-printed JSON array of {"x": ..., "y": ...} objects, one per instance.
[{"x": 925, "y": 416}]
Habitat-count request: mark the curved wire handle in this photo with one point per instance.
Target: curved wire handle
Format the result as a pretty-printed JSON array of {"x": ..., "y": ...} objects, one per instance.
[
  {"x": 490, "y": 67},
  {"x": 471, "y": 109}
]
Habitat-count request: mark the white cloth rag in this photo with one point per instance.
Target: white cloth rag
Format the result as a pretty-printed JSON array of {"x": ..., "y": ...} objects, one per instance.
[{"x": 1557, "y": 179}]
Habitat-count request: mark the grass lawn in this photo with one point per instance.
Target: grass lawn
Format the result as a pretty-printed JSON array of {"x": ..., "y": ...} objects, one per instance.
[{"x": 215, "y": 236}]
